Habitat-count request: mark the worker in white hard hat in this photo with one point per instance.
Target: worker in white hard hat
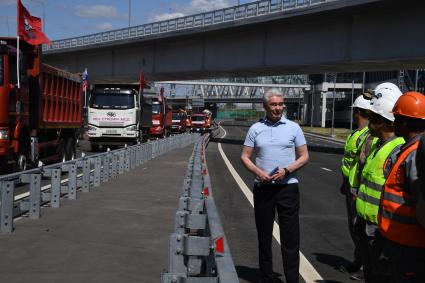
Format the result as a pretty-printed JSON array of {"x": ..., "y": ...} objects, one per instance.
[
  {"x": 373, "y": 175},
  {"x": 349, "y": 168}
]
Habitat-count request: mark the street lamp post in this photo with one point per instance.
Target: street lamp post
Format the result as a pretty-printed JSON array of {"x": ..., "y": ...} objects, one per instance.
[{"x": 129, "y": 13}]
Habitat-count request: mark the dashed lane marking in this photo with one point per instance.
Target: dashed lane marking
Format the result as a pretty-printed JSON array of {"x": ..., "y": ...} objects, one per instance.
[
  {"x": 307, "y": 271},
  {"x": 326, "y": 169}
]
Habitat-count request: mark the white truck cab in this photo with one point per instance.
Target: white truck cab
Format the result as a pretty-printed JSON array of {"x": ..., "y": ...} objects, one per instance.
[{"x": 114, "y": 116}]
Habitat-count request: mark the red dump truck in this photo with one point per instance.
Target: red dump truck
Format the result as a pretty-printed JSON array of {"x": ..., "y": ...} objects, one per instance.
[
  {"x": 41, "y": 117},
  {"x": 161, "y": 114}
]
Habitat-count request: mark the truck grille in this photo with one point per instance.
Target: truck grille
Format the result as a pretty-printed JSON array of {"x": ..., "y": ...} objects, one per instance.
[{"x": 111, "y": 124}]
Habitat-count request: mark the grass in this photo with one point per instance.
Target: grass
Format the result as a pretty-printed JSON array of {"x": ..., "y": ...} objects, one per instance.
[{"x": 340, "y": 133}]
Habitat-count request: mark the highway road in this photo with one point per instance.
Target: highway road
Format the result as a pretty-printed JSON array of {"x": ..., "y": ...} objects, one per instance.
[{"x": 325, "y": 241}]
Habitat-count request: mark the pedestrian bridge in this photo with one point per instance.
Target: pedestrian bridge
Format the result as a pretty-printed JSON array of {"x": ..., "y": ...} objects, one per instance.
[{"x": 269, "y": 37}]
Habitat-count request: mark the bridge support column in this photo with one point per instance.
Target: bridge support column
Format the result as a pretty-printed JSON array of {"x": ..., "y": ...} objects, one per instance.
[
  {"x": 313, "y": 105},
  {"x": 324, "y": 109}
]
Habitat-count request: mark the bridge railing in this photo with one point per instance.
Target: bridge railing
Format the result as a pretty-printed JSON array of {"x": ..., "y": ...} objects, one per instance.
[
  {"x": 198, "y": 249},
  {"x": 231, "y": 14},
  {"x": 46, "y": 186}
]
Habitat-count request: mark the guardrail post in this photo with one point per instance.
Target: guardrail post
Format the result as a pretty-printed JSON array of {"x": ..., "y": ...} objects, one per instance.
[
  {"x": 132, "y": 158},
  {"x": 114, "y": 173},
  {"x": 105, "y": 171},
  {"x": 34, "y": 180},
  {"x": 72, "y": 181},
  {"x": 127, "y": 160},
  {"x": 86, "y": 176},
  {"x": 55, "y": 190},
  {"x": 121, "y": 162},
  {"x": 7, "y": 198},
  {"x": 97, "y": 171}
]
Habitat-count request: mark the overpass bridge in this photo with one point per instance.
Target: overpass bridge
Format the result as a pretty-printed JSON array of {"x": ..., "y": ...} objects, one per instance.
[{"x": 268, "y": 37}]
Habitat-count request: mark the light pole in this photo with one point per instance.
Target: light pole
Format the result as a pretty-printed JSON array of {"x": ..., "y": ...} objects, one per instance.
[{"x": 129, "y": 13}]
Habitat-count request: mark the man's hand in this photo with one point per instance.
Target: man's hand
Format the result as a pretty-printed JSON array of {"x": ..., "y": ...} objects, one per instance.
[
  {"x": 264, "y": 176},
  {"x": 279, "y": 175}
]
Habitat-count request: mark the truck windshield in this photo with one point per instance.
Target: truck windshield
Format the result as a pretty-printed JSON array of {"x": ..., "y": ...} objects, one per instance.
[
  {"x": 1, "y": 70},
  {"x": 198, "y": 118},
  {"x": 112, "y": 101},
  {"x": 176, "y": 116},
  {"x": 156, "y": 108}
]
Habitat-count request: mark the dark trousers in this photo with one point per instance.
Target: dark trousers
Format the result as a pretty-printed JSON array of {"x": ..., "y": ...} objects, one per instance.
[
  {"x": 375, "y": 266},
  {"x": 406, "y": 264},
  {"x": 350, "y": 203},
  {"x": 283, "y": 199}
]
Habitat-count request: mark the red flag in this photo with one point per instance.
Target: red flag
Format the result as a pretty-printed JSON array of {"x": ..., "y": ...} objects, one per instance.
[
  {"x": 142, "y": 82},
  {"x": 29, "y": 27}
]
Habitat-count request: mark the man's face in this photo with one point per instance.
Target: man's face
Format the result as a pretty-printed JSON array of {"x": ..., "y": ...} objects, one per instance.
[
  {"x": 376, "y": 124},
  {"x": 274, "y": 108},
  {"x": 400, "y": 127}
]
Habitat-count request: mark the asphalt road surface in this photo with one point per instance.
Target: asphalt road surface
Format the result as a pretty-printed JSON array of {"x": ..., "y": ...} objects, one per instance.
[{"x": 325, "y": 241}]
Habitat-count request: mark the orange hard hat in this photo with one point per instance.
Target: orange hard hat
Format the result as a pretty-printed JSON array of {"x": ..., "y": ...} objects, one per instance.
[{"x": 411, "y": 104}]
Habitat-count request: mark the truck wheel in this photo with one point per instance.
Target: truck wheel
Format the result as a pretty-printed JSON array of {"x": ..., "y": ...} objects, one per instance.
[
  {"x": 22, "y": 157},
  {"x": 70, "y": 149},
  {"x": 61, "y": 150}
]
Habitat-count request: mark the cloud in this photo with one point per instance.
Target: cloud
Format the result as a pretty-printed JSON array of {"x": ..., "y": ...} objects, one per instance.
[
  {"x": 98, "y": 11},
  {"x": 103, "y": 26},
  {"x": 166, "y": 16},
  {"x": 194, "y": 7},
  {"x": 7, "y": 2}
]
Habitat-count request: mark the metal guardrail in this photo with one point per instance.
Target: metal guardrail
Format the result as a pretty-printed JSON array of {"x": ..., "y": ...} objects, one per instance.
[
  {"x": 231, "y": 14},
  {"x": 79, "y": 175},
  {"x": 198, "y": 249}
]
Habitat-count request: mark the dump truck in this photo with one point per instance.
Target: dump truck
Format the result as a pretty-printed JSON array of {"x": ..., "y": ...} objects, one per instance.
[
  {"x": 40, "y": 109},
  {"x": 118, "y": 114},
  {"x": 179, "y": 121},
  {"x": 161, "y": 114}
]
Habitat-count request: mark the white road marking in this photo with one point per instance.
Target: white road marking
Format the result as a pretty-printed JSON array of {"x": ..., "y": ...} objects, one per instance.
[
  {"x": 326, "y": 169},
  {"x": 307, "y": 271}
]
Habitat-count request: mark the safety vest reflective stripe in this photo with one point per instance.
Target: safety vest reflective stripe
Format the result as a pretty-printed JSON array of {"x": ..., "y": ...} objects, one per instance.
[
  {"x": 373, "y": 179},
  {"x": 372, "y": 185},
  {"x": 397, "y": 216},
  {"x": 362, "y": 137},
  {"x": 367, "y": 198},
  {"x": 397, "y": 199},
  {"x": 350, "y": 149},
  {"x": 354, "y": 174},
  {"x": 400, "y": 218}
]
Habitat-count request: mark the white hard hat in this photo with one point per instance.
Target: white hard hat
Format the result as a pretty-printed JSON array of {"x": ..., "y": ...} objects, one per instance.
[
  {"x": 370, "y": 93},
  {"x": 361, "y": 103},
  {"x": 384, "y": 100}
]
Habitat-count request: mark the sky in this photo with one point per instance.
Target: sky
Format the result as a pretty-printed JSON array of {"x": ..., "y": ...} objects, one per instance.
[{"x": 71, "y": 18}]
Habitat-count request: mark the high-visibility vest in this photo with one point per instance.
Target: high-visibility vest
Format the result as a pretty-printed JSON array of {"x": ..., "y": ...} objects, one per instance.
[
  {"x": 351, "y": 147},
  {"x": 397, "y": 216},
  {"x": 353, "y": 174},
  {"x": 372, "y": 180}
]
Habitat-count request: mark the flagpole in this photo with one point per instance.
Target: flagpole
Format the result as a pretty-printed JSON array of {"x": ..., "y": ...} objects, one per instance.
[
  {"x": 17, "y": 62},
  {"x": 18, "y": 4}
]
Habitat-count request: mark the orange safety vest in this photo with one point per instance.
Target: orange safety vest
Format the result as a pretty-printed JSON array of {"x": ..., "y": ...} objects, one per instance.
[{"x": 397, "y": 215}]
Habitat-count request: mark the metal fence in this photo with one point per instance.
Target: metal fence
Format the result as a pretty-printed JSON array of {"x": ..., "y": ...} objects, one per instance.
[
  {"x": 198, "y": 249},
  {"x": 231, "y": 14},
  {"x": 45, "y": 186}
]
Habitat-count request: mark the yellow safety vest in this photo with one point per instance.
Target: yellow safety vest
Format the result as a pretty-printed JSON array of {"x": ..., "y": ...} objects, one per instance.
[
  {"x": 373, "y": 179},
  {"x": 352, "y": 145},
  {"x": 353, "y": 175}
]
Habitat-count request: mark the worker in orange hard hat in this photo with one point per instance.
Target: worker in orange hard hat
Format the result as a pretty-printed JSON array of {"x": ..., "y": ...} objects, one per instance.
[{"x": 402, "y": 235}]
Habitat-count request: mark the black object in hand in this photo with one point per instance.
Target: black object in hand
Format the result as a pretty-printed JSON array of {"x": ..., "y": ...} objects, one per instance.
[{"x": 274, "y": 171}]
